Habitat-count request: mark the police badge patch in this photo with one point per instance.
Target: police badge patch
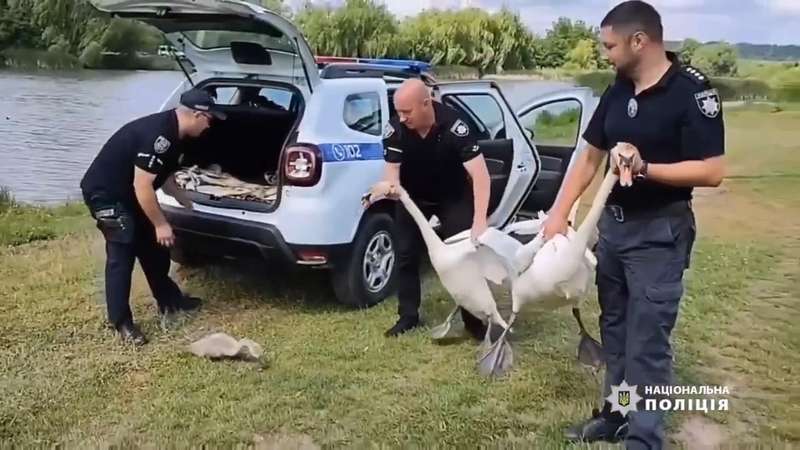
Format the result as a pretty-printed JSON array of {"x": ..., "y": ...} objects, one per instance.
[
  {"x": 161, "y": 144},
  {"x": 388, "y": 130},
  {"x": 708, "y": 102},
  {"x": 633, "y": 108},
  {"x": 459, "y": 128}
]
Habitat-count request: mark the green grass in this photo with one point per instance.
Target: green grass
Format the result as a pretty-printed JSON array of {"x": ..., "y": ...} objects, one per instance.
[
  {"x": 331, "y": 378},
  {"x": 22, "y": 224}
]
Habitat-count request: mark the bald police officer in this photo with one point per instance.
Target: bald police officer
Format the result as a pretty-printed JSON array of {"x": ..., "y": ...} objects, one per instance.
[
  {"x": 672, "y": 115},
  {"x": 432, "y": 152},
  {"x": 119, "y": 189}
]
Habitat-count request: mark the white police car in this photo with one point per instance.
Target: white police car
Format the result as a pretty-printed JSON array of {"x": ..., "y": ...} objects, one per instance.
[{"x": 303, "y": 142}]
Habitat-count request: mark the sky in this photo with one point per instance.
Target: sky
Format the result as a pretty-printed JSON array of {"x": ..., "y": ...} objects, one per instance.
[{"x": 753, "y": 21}]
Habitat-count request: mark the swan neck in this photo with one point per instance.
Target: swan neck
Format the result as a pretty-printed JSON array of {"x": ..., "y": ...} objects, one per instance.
[
  {"x": 430, "y": 237},
  {"x": 589, "y": 223}
]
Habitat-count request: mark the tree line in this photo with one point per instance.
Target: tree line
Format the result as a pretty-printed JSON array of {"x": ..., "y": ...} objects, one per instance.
[{"x": 489, "y": 42}]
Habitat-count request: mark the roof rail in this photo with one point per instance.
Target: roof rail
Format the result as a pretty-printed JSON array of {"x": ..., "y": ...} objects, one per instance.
[{"x": 363, "y": 70}]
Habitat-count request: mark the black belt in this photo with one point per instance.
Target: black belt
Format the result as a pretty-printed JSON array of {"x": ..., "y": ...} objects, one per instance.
[{"x": 677, "y": 208}]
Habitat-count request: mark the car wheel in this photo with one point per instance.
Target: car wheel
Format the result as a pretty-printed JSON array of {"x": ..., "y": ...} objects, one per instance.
[{"x": 366, "y": 276}]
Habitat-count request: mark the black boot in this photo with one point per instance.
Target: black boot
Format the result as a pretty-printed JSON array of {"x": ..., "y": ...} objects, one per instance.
[
  {"x": 600, "y": 427},
  {"x": 183, "y": 304},
  {"x": 129, "y": 332},
  {"x": 403, "y": 325}
]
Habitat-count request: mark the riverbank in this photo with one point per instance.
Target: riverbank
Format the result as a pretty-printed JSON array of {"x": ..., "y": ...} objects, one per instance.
[
  {"x": 330, "y": 379},
  {"x": 31, "y": 59}
]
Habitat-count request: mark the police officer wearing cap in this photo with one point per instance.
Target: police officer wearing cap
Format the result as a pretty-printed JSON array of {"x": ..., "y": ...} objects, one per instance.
[
  {"x": 670, "y": 115},
  {"x": 120, "y": 190},
  {"x": 431, "y": 151}
]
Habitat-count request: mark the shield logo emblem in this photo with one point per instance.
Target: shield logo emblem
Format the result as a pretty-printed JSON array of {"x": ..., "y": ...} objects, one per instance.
[
  {"x": 624, "y": 398},
  {"x": 708, "y": 102},
  {"x": 633, "y": 108}
]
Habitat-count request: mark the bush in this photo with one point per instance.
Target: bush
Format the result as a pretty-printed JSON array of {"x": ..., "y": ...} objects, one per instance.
[
  {"x": 38, "y": 59},
  {"x": 6, "y": 199},
  {"x": 741, "y": 88},
  {"x": 598, "y": 80}
]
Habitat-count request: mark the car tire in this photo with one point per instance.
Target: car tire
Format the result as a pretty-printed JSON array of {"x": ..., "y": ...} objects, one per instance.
[{"x": 366, "y": 275}]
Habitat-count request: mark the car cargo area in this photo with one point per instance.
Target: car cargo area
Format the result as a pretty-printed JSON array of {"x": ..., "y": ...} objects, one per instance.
[{"x": 235, "y": 162}]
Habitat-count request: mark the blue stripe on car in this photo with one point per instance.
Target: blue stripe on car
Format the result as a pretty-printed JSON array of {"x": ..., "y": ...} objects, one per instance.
[{"x": 351, "y": 152}]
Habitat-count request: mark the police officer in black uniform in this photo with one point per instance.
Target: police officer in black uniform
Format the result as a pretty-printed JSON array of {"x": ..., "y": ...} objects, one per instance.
[
  {"x": 672, "y": 117},
  {"x": 119, "y": 189},
  {"x": 431, "y": 150}
]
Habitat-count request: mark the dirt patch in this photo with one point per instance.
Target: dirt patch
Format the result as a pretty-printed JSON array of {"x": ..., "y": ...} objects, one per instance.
[
  {"x": 699, "y": 433},
  {"x": 281, "y": 441}
]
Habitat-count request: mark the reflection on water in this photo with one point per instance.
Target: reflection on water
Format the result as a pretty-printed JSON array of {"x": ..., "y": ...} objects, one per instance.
[{"x": 52, "y": 124}]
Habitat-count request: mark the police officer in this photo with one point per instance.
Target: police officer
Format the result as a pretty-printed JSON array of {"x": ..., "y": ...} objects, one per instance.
[
  {"x": 431, "y": 151},
  {"x": 671, "y": 116},
  {"x": 119, "y": 189}
]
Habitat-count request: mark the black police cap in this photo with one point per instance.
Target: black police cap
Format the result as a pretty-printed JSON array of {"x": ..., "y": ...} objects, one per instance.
[{"x": 200, "y": 100}]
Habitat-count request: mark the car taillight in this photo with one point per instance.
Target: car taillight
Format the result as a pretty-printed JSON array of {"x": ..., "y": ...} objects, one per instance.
[{"x": 303, "y": 165}]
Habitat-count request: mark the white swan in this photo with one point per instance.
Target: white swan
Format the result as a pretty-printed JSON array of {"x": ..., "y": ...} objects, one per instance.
[
  {"x": 549, "y": 275},
  {"x": 462, "y": 267}
]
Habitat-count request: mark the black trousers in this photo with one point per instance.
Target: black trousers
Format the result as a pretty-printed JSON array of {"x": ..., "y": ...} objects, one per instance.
[
  {"x": 641, "y": 262},
  {"x": 129, "y": 236},
  {"x": 455, "y": 217}
]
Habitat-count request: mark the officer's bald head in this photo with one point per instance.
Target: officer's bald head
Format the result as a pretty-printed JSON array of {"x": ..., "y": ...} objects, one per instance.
[{"x": 414, "y": 105}]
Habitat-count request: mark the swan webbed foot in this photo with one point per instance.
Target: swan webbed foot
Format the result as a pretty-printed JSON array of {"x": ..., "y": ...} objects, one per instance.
[
  {"x": 499, "y": 358},
  {"x": 590, "y": 352},
  {"x": 443, "y": 331},
  {"x": 496, "y": 362},
  {"x": 486, "y": 345}
]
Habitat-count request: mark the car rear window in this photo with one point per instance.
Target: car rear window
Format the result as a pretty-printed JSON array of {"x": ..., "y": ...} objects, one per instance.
[{"x": 209, "y": 39}]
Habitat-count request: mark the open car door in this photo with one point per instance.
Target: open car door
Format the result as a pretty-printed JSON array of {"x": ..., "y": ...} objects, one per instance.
[
  {"x": 509, "y": 155},
  {"x": 227, "y": 37},
  {"x": 555, "y": 122}
]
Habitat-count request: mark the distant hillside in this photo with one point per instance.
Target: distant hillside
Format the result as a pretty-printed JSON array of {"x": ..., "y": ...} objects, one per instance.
[{"x": 759, "y": 51}]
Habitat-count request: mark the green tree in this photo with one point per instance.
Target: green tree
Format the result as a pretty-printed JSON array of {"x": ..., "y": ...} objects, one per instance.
[
  {"x": 583, "y": 56},
  {"x": 716, "y": 59},
  {"x": 561, "y": 39},
  {"x": 687, "y": 50}
]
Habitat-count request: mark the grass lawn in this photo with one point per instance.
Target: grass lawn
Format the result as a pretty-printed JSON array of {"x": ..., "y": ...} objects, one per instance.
[{"x": 330, "y": 378}]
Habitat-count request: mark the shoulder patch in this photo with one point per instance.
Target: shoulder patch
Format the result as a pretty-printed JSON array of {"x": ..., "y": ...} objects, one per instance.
[
  {"x": 694, "y": 75},
  {"x": 708, "y": 102},
  {"x": 161, "y": 144},
  {"x": 460, "y": 128},
  {"x": 388, "y": 130}
]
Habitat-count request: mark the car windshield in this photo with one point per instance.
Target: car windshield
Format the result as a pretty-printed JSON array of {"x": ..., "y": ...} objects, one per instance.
[{"x": 209, "y": 39}]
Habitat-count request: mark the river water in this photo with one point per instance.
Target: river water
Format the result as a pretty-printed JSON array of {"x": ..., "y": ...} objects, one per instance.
[{"x": 52, "y": 124}]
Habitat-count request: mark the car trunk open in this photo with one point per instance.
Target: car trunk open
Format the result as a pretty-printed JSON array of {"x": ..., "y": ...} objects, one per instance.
[{"x": 235, "y": 163}]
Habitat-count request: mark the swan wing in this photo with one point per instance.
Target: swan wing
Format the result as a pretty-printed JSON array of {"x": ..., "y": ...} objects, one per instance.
[
  {"x": 496, "y": 252},
  {"x": 525, "y": 227},
  {"x": 466, "y": 234}
]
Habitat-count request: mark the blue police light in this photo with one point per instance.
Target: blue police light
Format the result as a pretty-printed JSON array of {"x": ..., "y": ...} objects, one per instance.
[{"x": 413, "y": 65}]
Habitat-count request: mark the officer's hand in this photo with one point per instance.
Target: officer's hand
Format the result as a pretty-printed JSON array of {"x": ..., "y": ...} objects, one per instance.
[
  {"x": 381, "y": 189},
  {"x": 164, "y": 235},
  {"x": 478, "y": 228},
  {"x": 626, "y": 162},
  {"x": 554, "y": 224}
]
